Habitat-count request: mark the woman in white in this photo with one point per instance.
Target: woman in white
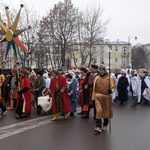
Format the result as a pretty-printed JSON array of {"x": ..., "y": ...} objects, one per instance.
[
  {"x": 146, "y": 88},
  {"x": 47, "y": 80},
  {"x": 135, "y": 82}
]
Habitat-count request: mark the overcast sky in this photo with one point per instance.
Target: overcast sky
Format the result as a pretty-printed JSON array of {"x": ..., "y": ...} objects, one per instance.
[{"x": 128, "y": 18}]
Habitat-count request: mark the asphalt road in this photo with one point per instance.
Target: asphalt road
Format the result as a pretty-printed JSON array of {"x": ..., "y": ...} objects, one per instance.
[{"x": 130, "y": 130}]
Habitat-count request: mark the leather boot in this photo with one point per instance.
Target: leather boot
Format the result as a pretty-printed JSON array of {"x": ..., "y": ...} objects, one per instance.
[
  {"x": 85, "y": 115},
  {"x": 11, "y": 104},
  {"x": 55, "y": 117},
  {"x": 98, "y": 126}
]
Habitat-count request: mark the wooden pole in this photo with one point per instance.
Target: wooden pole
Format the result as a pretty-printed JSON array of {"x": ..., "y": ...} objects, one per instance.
[{"x": 109, "y": 84}]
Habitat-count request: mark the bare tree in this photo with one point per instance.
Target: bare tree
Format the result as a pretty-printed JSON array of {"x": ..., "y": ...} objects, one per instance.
[
  {"x": 61, "y": 27},
  {"x": 93, "y": 28},
  {"x": 29, "y": 18},
  {"x": 139, "y": 57}
]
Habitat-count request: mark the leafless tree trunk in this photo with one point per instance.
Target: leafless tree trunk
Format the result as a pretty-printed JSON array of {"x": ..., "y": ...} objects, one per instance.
[
  {"x": 61, "y": 26},
  {"x": 140, "y": 57},
  {"x": 94, "y": 28}
]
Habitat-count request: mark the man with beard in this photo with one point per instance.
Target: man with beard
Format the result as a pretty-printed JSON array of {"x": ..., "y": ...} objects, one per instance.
[{"x": 102, "y": 90}]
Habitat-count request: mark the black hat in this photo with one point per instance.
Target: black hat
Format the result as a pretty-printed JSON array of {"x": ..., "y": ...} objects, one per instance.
[
  {"x": 40, "y": 72},
  {"x": 24, "y": 71},
  {"x": 56, "y": 71},
  {"x": 84, "y": 69},
  {"x": 94, "y": 66},
  {"x": 69, "y": 76}
]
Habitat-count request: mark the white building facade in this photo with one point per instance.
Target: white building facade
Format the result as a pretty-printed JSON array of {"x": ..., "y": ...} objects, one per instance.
[{"x": 118, "y": 53}]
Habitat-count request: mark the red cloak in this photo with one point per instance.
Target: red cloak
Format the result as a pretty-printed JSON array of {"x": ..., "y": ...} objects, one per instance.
[
  {"x": 27, "y": 106},
  {"x": 62, "y": 83}
]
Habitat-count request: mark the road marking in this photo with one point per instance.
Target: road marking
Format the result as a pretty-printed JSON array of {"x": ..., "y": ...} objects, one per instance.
[{"x": 17, "y": 128}]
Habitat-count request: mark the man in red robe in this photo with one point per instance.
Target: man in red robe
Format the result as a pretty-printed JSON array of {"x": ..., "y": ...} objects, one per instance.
[
  {"x": 87, "y": 86},
  {"x": 83, "y": 72},
  {"x": 23, "y": 108},
  {"x": 60, "y": 98}
]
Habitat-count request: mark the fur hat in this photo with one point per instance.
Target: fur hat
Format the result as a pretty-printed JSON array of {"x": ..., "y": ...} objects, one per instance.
[
  {"x": 40, "y": 72},
  {"x": 24, "y": 71},
  {"x": 102, "y": 66},
  {"x": 84, "y": 69},
  {"x": 69, "y": 76},
  {"x": 94, "y": 66},
  {"x": 123, "y": 71},
  {"x": 14, "y": 70},
  {"x": 45, "y": 75},
  {"x": 56, "y": 71}
]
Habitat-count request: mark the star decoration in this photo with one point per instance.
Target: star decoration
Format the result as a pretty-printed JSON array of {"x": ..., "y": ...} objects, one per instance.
[{"x": 11, "y": 33}]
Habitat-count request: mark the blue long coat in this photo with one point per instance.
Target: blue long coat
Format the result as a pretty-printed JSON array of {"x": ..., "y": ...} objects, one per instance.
[{"x": 73, "y": 94}]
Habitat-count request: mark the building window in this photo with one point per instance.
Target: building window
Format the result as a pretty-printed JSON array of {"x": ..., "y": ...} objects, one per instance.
[
  {"x": 116, "y": 60},
  {"x": 124, "y": 50},
  {"x": 116, "y": 49},
  {"x": 123, "y": 61}
]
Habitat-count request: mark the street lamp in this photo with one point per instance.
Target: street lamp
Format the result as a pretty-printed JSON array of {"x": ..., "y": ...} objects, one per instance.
[
  {"x": 110, "y": 50},
  {"x": 109, "y": 53}
]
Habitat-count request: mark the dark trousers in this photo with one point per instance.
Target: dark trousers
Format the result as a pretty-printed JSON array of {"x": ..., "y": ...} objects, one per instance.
[
  {"x": 99, "y": 122},
  {"x": 86, "y": 113},
  {"x": 19, "y": 107},
  {"x": 3, "y": 106}
]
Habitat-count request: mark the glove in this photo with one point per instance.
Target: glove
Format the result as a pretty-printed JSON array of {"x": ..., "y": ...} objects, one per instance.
[
  {"x": 109, "y": 91},
  {"x": 86, "y": 86},
  {"x": 23, "y": 90},
  {"x": 92, "y": 104},
  {"x": 16, "y": 83},
  {"x": 36, "y": 90},
  {"x": 20, "y": 92},
  {"x": 70, "y": 93},
  {"x": 62, "y": 90}
]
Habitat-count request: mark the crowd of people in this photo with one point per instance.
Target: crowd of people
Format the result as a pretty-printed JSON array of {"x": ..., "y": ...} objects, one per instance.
[
  {"x": 87, "y": 88},
  {"x": 134, "y": 83}
]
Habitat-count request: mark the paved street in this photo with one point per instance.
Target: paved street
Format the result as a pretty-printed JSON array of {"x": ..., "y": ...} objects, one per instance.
[{"x": 130, "y": 131}]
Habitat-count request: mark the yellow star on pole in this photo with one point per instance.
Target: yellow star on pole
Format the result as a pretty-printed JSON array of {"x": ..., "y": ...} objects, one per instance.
[{"x": 11, "y": 33}]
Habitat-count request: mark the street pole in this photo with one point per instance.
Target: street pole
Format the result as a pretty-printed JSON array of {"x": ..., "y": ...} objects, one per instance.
[{"x": 109, "y": 57}]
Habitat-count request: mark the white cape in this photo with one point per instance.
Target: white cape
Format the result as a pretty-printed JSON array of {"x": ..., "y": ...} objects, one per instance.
[{"x": 45, "y": 102}]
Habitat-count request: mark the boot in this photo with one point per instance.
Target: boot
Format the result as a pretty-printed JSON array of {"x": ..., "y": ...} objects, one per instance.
[
  {"x": 104, "y": 128},
  {"x": 98, "y": 123},
  {"x": 98, "y": 130},
  {"x": 85, "y": 115},
  {"x": 55, "y": 117},
  {"x": 94, "y": 114},
  {"x": 66, "y": 115},
  {"x": 105, "y": 124},
  {"x": 72, "y": 114},
  {"x": 11, "y": 104},
  {"x": 98, "y": 126}
]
